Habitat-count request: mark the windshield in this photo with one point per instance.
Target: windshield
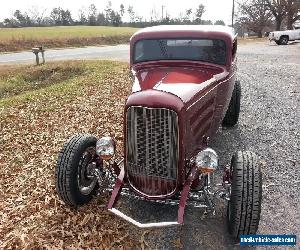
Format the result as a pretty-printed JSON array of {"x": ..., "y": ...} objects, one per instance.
[{"x": 207, "y": 50}]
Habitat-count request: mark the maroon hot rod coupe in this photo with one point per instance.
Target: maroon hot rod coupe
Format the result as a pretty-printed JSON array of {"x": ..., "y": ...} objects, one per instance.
[{"x": 184, "y": 88}]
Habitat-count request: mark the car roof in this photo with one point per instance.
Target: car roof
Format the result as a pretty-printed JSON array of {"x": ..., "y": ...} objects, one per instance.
[{"x": 195, "y": 30}]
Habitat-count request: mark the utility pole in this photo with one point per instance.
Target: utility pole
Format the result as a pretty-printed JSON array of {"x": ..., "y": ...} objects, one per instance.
[
  {"x": 162, "y": 12},
  {"x": 232, "y": 14}
]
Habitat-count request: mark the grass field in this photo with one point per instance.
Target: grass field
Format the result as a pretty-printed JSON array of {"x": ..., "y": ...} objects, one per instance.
[
  {"x": 14, "y": 39},
  {"x": 36, "y": 117},
  {"x": 16, "y": 80},
  {"x": 17, "y": 39},
  {"x": 58, "y": 32}
]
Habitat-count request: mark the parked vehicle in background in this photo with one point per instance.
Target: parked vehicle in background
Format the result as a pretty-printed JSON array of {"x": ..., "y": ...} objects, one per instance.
[{"x": 284, "y": 36}]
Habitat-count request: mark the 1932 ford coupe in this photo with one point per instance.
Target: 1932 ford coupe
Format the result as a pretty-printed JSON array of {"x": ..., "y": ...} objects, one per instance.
[{"x": 184, "y": 88}]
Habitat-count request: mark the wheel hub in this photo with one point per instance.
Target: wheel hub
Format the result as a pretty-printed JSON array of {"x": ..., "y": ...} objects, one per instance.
[{"x": 86, "y": 181}]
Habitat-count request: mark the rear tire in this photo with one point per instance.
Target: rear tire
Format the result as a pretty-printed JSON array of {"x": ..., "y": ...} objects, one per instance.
[
  {"x": 284, "y": 40},
  {"x": 73, "y": 185},
  {"x": 243, "y": 211},
  {"x": 232, "y": 114}
]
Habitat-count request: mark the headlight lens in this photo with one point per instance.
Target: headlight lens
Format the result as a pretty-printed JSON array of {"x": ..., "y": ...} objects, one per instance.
[
  {"x": 105, "y": 148},
  {"x": 207, "y": 160}
]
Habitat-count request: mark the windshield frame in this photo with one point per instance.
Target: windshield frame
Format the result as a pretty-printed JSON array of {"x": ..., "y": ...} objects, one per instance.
[{"x": 179, "y": 38}]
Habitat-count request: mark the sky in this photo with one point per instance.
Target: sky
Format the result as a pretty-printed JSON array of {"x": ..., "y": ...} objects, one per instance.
[{"x": 215, "y": 9}]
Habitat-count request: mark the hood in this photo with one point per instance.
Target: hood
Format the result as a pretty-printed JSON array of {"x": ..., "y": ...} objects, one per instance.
[{"x": 182, "y": 82}]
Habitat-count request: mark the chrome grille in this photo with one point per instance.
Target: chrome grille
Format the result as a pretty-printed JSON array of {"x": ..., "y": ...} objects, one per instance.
[{"x": 152, "y": 143}]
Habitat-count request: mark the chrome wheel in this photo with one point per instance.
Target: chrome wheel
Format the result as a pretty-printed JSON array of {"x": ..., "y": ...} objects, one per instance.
[{"x": 85, "y": 179}]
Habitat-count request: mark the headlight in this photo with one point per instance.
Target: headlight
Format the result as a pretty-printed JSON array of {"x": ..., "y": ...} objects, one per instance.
[
  {"x": 105, "y": 148},
  {"x": 207, "y": 160}
]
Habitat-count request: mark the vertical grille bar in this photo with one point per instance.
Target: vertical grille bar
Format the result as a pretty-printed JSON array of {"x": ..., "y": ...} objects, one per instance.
[{"x": 152, "y": 149}]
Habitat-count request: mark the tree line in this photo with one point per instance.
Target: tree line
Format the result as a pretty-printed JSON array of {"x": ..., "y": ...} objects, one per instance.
[
  {"x": 109, "y": 17},
  {"x": 252, "y": 15}
]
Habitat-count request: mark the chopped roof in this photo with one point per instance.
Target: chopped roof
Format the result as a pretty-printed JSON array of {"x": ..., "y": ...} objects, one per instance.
[{"x": 188, "y": 28}]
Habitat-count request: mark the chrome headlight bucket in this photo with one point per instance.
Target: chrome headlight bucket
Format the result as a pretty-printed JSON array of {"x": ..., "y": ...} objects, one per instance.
[
  {"x": 105, "y": 148},
  {"x": 207, "y": 161}
]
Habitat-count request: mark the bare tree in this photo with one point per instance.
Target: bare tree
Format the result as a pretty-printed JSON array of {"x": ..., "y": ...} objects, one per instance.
[
  {"x": 92, "y": 15},
  {"x": 187, "y": 18},
  {"x": 122, "y": 10},
  {"x": 37, "y": 14},
  {"x": 278, "y": 9},
  {"x": 255, "y": 15},
  {"x": 199, "y": 12},
  {"x": 131, "y": 14},
  {"x": 82, "y": 17},
  {"x": 56, "y": 16},
  {"x": 66, "y": 17},
  {"x": 293, "y": 12}
]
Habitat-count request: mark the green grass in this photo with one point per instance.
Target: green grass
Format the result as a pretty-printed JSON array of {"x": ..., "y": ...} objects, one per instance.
[
  {"x": 63, "y": 32},
  {"x": 17, "y": 80},
  {"x": 17, "y": 39},
  {"x": 20, "y": 84}
]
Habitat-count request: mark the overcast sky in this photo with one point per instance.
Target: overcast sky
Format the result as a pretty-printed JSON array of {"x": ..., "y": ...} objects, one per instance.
[{"x": 215, "y": 9}]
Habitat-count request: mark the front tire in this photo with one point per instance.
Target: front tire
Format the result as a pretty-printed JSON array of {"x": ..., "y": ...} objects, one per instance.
[
  {"x": 232, "y": 114},
  {"x": 243, "y": 211},
  {"x": 73, "y": 185}
]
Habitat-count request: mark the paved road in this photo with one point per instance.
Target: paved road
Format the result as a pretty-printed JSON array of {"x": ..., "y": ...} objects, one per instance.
[
  {"x": 118, "y": 52},
  {"x": 121, "y": 53}
]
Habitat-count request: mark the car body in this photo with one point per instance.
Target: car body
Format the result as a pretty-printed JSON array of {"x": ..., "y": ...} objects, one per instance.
[
  {"x": 198, "y": 92},
  {"x": 184, "y": 88}
]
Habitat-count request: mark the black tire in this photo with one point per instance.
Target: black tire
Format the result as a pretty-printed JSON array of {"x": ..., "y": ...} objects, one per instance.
[
  {"x": 284, "y": 40},
  {"x": 70, "y": 179},
  {"x": 243, "y": 211},
  {"x": 232, "y": 114},
  {"x": 277, "y": 42}
]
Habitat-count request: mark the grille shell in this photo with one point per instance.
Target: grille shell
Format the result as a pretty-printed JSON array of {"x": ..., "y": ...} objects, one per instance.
[{"x": 152, "y": 150}]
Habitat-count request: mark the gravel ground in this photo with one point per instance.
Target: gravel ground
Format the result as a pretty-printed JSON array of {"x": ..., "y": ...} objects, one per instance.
[{"x": 269, "y": 125}]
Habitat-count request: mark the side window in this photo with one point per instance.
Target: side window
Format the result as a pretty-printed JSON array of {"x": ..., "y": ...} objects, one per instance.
[
  {"x": 139, "y": 50},
  {"x": 234, "y": 49}
]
